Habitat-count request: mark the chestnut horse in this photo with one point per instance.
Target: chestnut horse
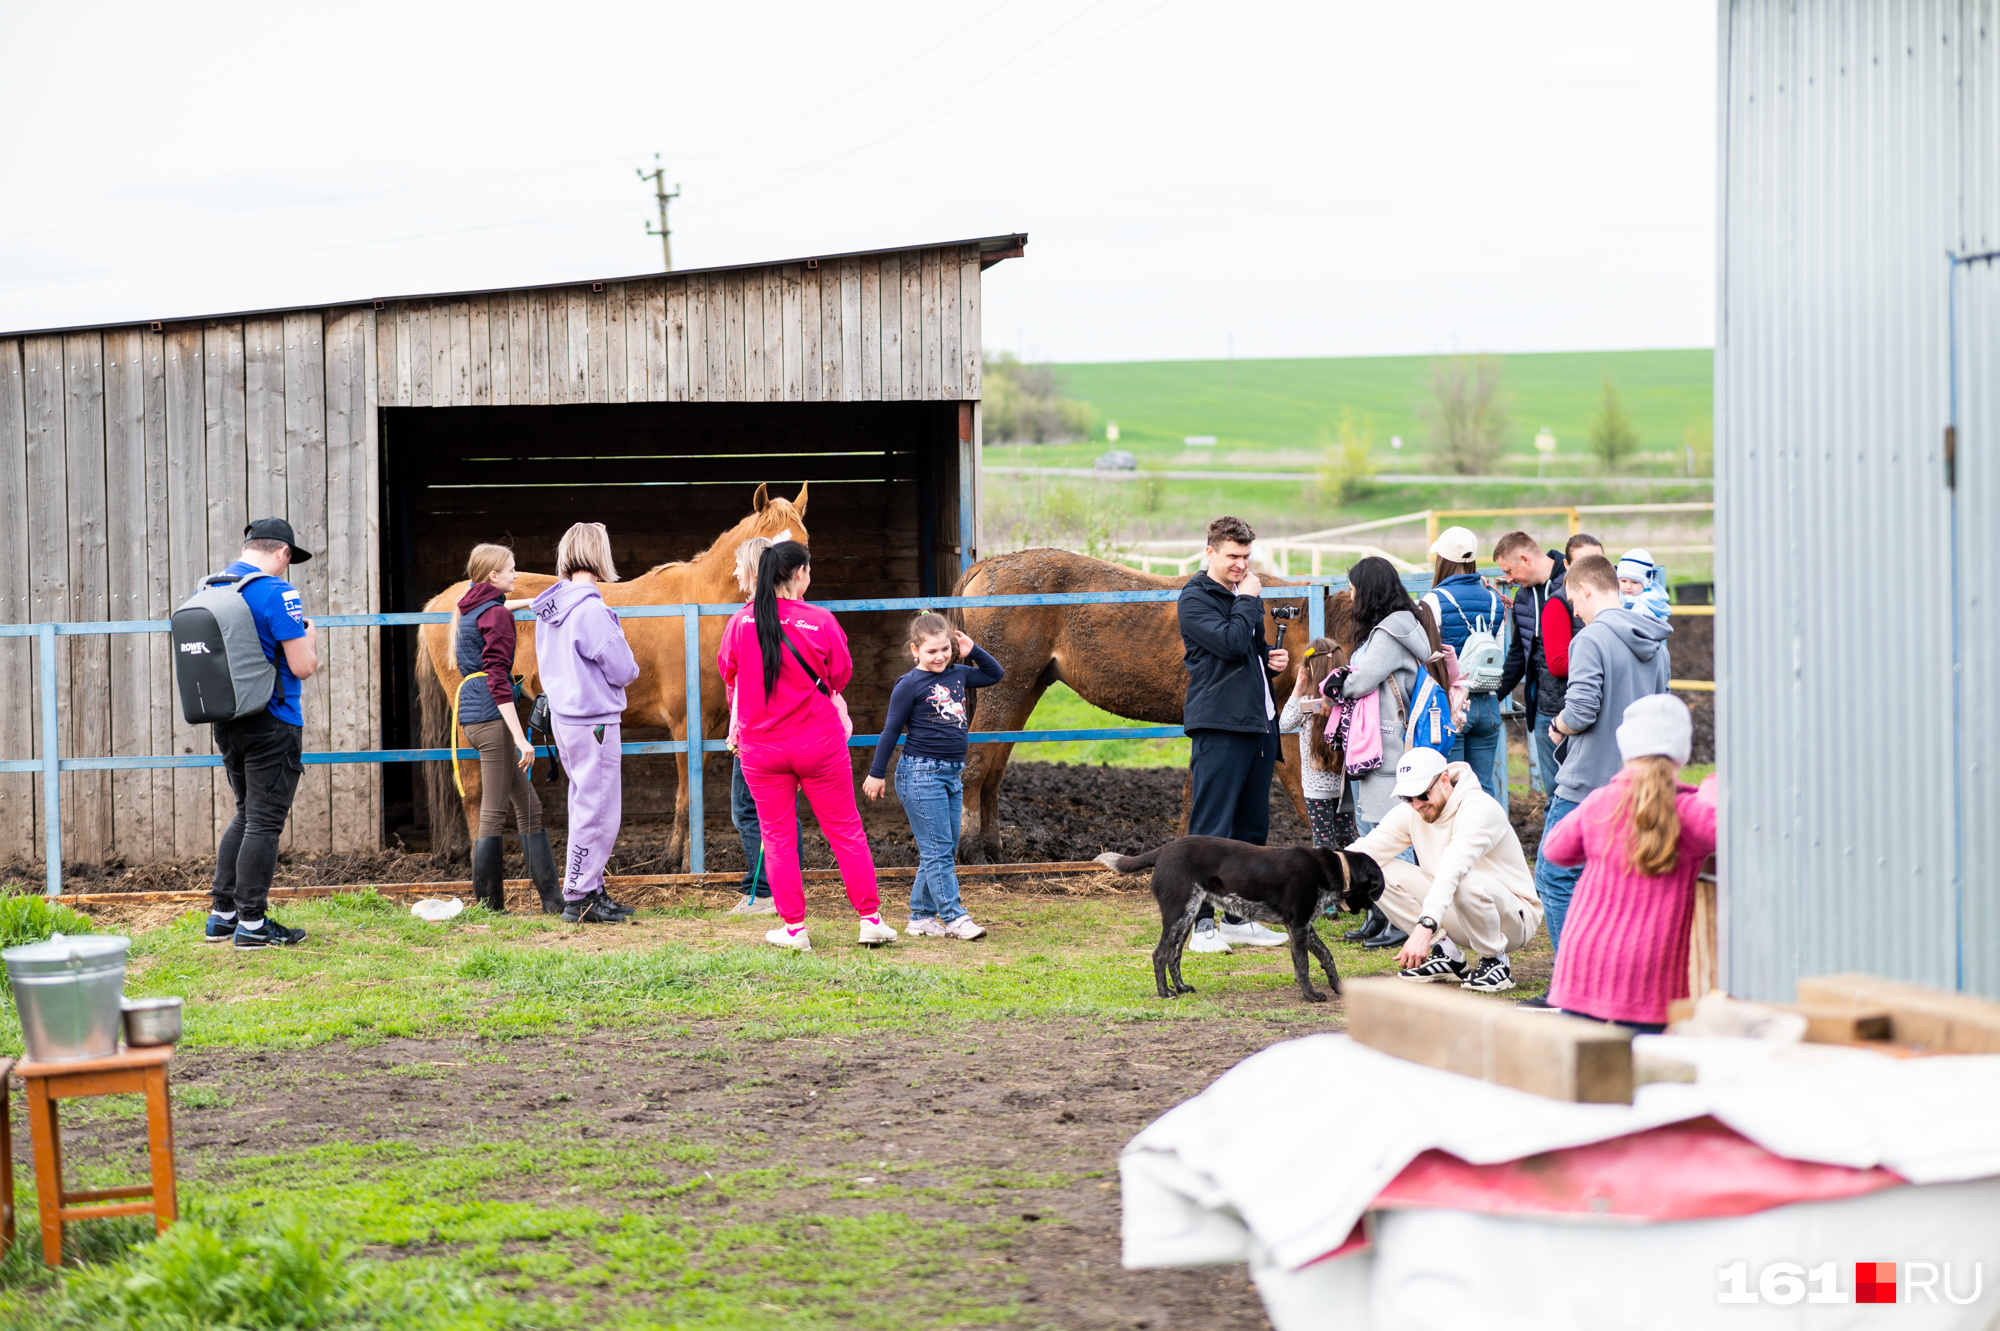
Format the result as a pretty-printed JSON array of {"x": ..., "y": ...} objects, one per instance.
[
  {"x": 658, "y": 698},
  {"x": 1126, "y": 659}
]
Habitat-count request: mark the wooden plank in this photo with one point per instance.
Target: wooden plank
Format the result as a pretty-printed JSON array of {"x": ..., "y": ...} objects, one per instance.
[
  {"x": 851, "y": 377},
  {"x": 48, "y": 534},
  {"x": 950, "y": 332},
  {"x": 345, "y": 682},
  {"x": 697, "y": 337},
  {"x": 717, "y": 309},
  {"x": 459, "y": 312},
  {"x": 912, "y": 263},
  {"x": 889, "y": 318},
  {"x": 479, "y": 346},
  {"x": 126, "y": 553},
  {"x": 538, "y": 349},
  {"x": 933, "y": 335},
  {"x": 422, "y": 364},
  {"x": 753, "y": 335},
  {"x": 187, "y": 560},
  {"x": 773, "y": 311},
  {"x": 444, "y": 380},
  {"x": 871, "y": 329},
  {"x": 368, "y": 505},
  {"x": 791, "y": 321},
  {"x": 264, "y": 416},
  {"x": 637, "y": 298},
  {"x": 970, "y": 344},
  {"x": 735, "y": 341},
  {"x": 676, "y": 331},
  {"x": 518, "y": 340},
  {"x": 1918, "y": 1015},
  {"x": 404, "y": 382},
  {"x": 576, "y": 383},
  {"x": 161, "y": 704},
  {"x": 1563, "y": 1058},
  {"x": 18, "y": 675},
  {"x": 831, "y": 352},
  {"x": 226, "y": 453},
  {"x": 617, "y": 363},
  {"x": 87, "y": 810},
  {"x": 597, "y": 324},
  {"x": 812, "y": 374},
  {"x": 656, "y": 341},
  {"x": 309, "y": 829}
]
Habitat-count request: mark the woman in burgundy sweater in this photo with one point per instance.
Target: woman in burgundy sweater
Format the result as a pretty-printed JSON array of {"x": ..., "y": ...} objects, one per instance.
[{"x": 1642, "y": 840}]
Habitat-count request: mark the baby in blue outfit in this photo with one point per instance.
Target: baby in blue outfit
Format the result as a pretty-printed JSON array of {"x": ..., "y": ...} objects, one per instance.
[{"x": 1639, "y": 583}]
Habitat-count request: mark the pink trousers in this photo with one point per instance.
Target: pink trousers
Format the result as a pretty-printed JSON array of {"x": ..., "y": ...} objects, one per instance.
[{"x": 776, "y": 770}]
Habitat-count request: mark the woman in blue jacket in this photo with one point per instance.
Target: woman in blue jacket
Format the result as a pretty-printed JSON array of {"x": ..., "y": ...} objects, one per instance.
[{"x": 1461, "y": 604}]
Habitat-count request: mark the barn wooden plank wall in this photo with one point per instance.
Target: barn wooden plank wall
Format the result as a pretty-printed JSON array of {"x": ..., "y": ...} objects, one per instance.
[{"x": 130, "y": 460}]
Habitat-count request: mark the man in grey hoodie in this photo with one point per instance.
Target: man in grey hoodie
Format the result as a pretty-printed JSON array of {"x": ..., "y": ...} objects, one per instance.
[{"x": 1620, "y": 657}]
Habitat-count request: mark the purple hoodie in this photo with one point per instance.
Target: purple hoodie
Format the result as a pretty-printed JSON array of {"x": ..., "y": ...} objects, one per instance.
[{"x": 582, "y": 655}]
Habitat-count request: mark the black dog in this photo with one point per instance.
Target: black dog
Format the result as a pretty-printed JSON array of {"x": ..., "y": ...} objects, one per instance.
[{"x": 1283, "y": 885}]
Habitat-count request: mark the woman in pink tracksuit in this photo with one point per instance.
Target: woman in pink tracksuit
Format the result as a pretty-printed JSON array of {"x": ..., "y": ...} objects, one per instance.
[{"x": 786, "y": 664}]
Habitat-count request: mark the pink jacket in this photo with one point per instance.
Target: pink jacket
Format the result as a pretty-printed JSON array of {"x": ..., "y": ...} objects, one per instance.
[
  {"x": 795, "y": 705},
  {"x": 1624, "y": 952}
]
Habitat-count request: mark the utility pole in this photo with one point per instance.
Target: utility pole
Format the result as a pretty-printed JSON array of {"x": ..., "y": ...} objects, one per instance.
[{"x": 658, "y": 176}]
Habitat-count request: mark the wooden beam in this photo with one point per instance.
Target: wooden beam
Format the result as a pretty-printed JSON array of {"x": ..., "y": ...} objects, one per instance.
[
  {"x": 1918, "y": 1015},
  {"x": 19, "y": 678},
  {"x": 87, "y": 808}
]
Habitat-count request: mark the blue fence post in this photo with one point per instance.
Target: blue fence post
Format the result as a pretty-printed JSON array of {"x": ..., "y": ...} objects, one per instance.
[
  {"x": 1316, "y": 613},
  {"x": 696, "y": 850},
  {"x": 51, "y": 764}
]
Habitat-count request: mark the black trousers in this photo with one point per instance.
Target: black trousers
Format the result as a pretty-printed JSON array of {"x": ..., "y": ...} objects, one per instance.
[
  {"x": 1232, "y": 788},
  {"x": 260, "y": 754}
]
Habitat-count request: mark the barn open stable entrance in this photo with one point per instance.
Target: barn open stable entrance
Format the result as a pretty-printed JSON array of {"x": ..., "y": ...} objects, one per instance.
[{"x": 665, "y": 479}]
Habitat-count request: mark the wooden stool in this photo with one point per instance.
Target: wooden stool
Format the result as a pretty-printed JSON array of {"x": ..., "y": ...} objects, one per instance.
[
  {"x": 6, "y": 1162},
  {"x": 134, "y": 1072}
]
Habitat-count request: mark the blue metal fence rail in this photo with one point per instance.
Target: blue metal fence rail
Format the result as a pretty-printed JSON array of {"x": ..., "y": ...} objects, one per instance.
[{"x": 1313, "y": 591}]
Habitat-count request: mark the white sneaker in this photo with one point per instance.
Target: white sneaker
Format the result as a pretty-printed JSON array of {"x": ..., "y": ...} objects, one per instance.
[
  {"x": 963, "y": 927},
  {"x": 928, "y": 927},
  {"x": 874, "y": 933},
  {"x": 761, "y": 904},
  {"x": 784, "y": 937},
  {"x": 1206, "y": 938},
  {"x": 1251, "y": 934}
]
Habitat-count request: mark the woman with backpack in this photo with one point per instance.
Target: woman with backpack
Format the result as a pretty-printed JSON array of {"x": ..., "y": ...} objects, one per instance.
[
  {"x": 1468, "y": 612},
  {"x": 1398, "y": 641}
]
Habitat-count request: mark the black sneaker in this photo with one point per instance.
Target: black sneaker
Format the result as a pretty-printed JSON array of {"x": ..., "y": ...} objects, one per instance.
[
  {"x": 619, "y": 909},
  {"x": 1435, "y": 967},
  {"x": 593, "y": 909},
  {"x": 218, "y": 930},
  {"x": 1490, "y": 976},
  {"x": 269, "y": 934}
]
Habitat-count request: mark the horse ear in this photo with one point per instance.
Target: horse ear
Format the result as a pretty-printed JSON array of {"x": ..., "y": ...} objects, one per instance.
[
  {"x": 800, "y": 502},
  {"x": 762, "y": 499}
]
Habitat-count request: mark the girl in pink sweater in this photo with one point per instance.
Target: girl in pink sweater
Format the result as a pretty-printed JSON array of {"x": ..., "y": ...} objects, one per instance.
[
  {"x": 785, "y": 664},
  {"x": 1641, "y": 839}
]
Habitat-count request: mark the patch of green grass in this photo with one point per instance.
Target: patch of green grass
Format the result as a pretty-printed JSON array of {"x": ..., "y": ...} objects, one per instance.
[{"x": 1061, "y": 709}]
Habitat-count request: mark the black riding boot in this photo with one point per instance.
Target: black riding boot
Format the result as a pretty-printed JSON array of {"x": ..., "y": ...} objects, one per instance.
[
  {"x": 1374, "y": 922},
  {"x": 489, "y": 882},
  {"x": 542, "y": 871},
  {"x": 1390, "y": 936}
]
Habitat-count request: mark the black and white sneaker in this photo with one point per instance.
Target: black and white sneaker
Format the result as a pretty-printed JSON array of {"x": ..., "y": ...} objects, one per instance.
[
  {"x": 268, "y": 934},
  {"x": 1436, "y": 967},
  {"x": 1491, "y": 976}
]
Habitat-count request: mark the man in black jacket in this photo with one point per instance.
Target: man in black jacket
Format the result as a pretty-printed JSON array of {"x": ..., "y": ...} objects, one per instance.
[
  {"x": 1230, "y": 714},
  {"x": 1538, "y": 578}
]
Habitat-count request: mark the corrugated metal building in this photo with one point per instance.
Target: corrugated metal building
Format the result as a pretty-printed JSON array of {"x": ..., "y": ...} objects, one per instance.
[{"x": 1858, "y": 657}]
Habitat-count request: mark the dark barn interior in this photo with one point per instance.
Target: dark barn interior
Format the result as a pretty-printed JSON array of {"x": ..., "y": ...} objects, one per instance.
[{"x": 883, "y": 513}]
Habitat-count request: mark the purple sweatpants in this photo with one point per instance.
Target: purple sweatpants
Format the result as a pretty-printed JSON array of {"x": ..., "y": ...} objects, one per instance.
[{"x": 590, "y": 755}]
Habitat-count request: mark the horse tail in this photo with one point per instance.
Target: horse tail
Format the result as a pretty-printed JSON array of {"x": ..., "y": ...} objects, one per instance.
[
  {"x": 1117, "y": 863},
  {"x": 447, "y": 810}
]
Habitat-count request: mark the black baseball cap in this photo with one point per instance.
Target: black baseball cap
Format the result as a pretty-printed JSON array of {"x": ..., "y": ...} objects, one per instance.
[{"x": 276, "y": 529}]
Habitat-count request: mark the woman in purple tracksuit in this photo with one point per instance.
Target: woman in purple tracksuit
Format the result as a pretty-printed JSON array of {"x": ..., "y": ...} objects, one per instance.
[{"x": 585, "y": 664}]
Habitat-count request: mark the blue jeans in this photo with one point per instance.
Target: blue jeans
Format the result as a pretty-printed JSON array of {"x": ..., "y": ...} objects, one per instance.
[
  {"x": 1479, "y": 743},
  {"x": 743, "y": 813},
  {"x": 933, "y": 797},
  {"x": 1555, "y": 882},
  {"x": 1543, "y": 754}
]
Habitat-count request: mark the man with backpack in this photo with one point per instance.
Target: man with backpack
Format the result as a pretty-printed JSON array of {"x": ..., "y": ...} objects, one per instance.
[
  {"x": 1470, "y": 618},
  {"x": 258, "y": 729}
]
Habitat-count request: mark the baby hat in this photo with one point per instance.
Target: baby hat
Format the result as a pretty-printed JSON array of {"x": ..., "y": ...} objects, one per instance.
[
  {"x": 1636, "y": 565},
  {"x": 1657, "y": 723}
]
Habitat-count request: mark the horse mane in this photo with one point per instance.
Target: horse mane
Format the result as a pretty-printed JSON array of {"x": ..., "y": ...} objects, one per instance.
[{"x": 735, "y": 536}]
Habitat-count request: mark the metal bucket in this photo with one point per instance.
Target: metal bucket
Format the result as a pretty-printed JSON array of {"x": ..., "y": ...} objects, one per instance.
[{"x": 67, "y": 991}]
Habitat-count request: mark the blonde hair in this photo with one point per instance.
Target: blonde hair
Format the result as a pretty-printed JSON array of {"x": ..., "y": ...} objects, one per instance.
[
  {"x": 586, "y": 548},
  {"x": 927, "y": 624},
  {"x": 486, "y": 560},
  {"x": 1653, "y": 839},
  {"x": 747, "y": 555}
]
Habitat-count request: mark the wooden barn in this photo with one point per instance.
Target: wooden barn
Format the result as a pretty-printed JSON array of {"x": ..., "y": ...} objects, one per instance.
[{"x": 395, "y": 433}]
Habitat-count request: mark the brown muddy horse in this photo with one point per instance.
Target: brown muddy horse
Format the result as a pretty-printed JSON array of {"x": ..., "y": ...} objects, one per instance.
[
  {"x": 657, "y": 699},
  {"x": 1126, "y": 659}
]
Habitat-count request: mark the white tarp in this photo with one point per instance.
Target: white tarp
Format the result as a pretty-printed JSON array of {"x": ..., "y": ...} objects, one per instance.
[{"x": 1275, "y": 1162}]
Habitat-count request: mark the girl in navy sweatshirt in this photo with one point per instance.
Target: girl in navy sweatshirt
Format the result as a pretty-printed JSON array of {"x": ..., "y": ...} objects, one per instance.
[{"x": 930, "y": 703}]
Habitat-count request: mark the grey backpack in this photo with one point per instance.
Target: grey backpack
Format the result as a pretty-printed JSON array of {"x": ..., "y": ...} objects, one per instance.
[{"x": 219, "y": 662}]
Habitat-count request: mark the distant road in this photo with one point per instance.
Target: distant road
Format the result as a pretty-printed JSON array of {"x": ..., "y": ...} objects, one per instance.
[{"x": 1388, "y": 478}]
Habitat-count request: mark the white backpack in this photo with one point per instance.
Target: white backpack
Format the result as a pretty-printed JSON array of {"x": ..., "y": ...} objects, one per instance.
[{"x": 1483, "y": 658}]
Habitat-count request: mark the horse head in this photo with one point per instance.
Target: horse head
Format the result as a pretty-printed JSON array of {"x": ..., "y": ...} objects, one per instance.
[{"x": 776, "y": 519}]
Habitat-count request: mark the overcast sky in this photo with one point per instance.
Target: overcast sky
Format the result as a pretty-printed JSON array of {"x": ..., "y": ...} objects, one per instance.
[{"x": 1326, "y": 178}]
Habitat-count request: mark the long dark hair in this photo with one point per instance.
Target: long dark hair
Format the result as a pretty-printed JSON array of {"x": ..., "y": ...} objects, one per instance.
[
  {"x": 776, "y": 565},
  {"x": 1378, "y": 594}
]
